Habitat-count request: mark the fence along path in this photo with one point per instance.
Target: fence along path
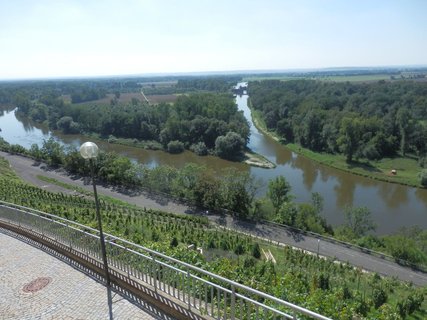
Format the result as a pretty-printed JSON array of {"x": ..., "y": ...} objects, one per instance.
[{"x": 177, "y": 288}]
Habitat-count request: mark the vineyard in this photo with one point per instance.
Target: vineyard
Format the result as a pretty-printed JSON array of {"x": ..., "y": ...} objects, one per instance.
[{"x": 334, "y": 289}]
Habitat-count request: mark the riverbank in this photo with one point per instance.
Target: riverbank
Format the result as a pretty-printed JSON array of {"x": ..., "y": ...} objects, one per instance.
[
  {"x": 249, "y": 157},
  {"x": 407, "y": 169},
  {"x": 254, "y": 159},
  {"x": 59, "y": 181}
]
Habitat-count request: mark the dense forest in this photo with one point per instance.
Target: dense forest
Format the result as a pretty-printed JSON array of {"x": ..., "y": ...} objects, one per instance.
[
  {"x": 359, "y": 120},
  {"x": 203, "y": 122}
]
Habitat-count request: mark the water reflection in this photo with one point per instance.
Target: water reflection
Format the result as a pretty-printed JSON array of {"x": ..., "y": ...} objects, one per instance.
[
  {"x": 344, "y": 190},
  {"x": 309, "y": 170},
  {"x": 392, "y": 206},
  {"x": 395, "y": 195}
]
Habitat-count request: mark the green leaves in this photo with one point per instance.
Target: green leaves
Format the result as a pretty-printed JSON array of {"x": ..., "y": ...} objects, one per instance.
[
  {"x": 359, "y": 220},
  {"x": 278, "y": 191}
]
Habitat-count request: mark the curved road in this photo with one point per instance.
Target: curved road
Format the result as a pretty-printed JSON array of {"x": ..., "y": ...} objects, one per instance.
[{"x": 28, "y": 171}]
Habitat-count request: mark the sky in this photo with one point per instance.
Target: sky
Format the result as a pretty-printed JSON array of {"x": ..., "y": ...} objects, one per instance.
[{"x": 73, "y": 38}]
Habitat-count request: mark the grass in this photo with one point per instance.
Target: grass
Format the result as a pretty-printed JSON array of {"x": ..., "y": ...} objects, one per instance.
[
  {"x": 6, "y": 171},
  {"x": 407, "y": 168},
  {"x": 83, "y": 191}
]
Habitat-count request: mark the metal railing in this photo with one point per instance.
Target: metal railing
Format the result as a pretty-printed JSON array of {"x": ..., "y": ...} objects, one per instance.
[
  {"x": 353, "y": 246},
  {"x": 200, "y": 291}
]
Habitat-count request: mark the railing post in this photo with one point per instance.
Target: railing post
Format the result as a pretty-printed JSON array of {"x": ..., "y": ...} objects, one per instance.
[
  {"x": 188, "y": 289},
  {"x": 233, "y": 302},
  {"x": 155, "y": 273}
]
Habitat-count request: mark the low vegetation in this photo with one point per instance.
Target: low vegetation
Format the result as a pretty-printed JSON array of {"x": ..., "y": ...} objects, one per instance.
[
  {"x": 233, "y": 192},
  {"x": 335, "y": 290}
]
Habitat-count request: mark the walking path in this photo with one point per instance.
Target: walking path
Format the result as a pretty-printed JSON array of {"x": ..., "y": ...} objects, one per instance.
[
  {"x": 36, "y": 285},
  {"x": 27, "y": 171}
]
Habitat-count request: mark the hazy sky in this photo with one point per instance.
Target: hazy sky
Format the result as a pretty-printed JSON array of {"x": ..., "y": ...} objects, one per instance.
[{"x": 57, "y": 38}]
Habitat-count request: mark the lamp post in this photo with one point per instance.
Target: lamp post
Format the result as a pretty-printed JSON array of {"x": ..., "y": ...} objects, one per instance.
[{"x": 89, "y": 150}]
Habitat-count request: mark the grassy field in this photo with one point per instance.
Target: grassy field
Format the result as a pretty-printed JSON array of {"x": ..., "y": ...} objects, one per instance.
[
  {"x": 127, "y": 97},
  {"x": 407, "y": 168}
]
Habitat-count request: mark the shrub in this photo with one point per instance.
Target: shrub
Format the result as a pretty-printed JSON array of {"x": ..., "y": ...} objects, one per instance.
[
  {"x": 174, "y": 242},
  {"x": 379, "y": 297},
  {"x": 112, "y": 139},
  {"x": 199, "y": 148},
  {"x": 175, "y": 146},
  {"x": 423, "y": 177},
  {"x": 256, "y": 251}
]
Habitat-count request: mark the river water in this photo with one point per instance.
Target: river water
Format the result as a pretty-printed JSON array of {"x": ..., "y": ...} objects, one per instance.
[{"x": 392, "y": 206}]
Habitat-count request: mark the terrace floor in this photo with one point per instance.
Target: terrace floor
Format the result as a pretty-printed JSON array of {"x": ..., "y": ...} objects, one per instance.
[{"x": 36, "y": 285}]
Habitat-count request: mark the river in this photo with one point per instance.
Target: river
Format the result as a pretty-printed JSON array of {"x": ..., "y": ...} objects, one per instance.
[{"x": 392, "y": 206}]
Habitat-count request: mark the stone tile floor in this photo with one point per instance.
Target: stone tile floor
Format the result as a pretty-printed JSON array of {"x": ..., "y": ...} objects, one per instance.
[{"x": 70, "y": 294}]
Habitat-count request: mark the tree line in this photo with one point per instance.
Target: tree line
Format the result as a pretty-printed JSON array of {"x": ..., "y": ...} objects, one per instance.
[
  {"x": 359, "y": 120},
  {"x": 233, "y": 192},
  {"x": 202, "y": 122}
]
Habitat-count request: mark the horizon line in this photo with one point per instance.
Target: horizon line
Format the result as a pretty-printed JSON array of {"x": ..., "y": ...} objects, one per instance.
[{"x": 222, "y": 72}]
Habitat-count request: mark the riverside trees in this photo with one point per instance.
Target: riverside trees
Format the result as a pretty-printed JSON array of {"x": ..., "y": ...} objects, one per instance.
[
  {"x": 206, "y": 122},
  {"x": 368, "y": 120},
  {"x": 203, "y": 112}
]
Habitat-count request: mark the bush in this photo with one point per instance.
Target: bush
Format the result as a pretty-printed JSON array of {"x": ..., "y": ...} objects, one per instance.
[
  {"x": 423, "y": 177},
  {"x": 199, "y": 148},
  {"x": 174, "y": 242},
  {"x": 256, "y": 251},
  {"x": 175, "y": 146},
  {"x": 379, "y": 297},
  {"x": 229, "y": 146},
  {"x": 422, "y": 161},
  {"x": 112, "y": 139}
]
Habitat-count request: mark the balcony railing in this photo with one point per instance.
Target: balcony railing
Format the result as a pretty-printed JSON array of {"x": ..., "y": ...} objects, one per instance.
[{"x": 134, "y": 267}]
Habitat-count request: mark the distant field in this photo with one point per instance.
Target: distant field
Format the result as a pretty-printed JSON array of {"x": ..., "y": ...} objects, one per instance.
[
  {"x": 351, "y": 78},
  {"x": 357, "y": 78},
  {"x": 160, "y": 84},
  {"x": 279, "y": 77},
  {"x": 127, "y": 97}
]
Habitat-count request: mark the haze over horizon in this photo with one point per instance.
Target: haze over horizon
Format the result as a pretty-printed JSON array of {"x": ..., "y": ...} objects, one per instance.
[{"x": 45, "y": 39}]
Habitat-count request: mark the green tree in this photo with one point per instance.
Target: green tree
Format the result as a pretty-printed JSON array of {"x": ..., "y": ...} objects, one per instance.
[
  {"x": 53, "y": 151},
  {"x": 278, "y": 191},
  {"x": 358, "y": 220},
  {"x": 403, "y": 118},
  {"x": 423, "y": 177},
  {"x": 175, "y": 146},
  {"x": 287, "y": 213},
  {"x": 229, "y": 146},
  {"x": 67, "y": 125},
  {"x": 349, "y": 139},
  {"x": 317, "y": 202}
]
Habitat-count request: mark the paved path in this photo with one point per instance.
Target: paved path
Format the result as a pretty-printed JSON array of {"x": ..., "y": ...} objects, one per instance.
[
  {"x": 327, "y": 249},
  {"x": 26, "y": 170},
  {"x": 70, "y": 294}
]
